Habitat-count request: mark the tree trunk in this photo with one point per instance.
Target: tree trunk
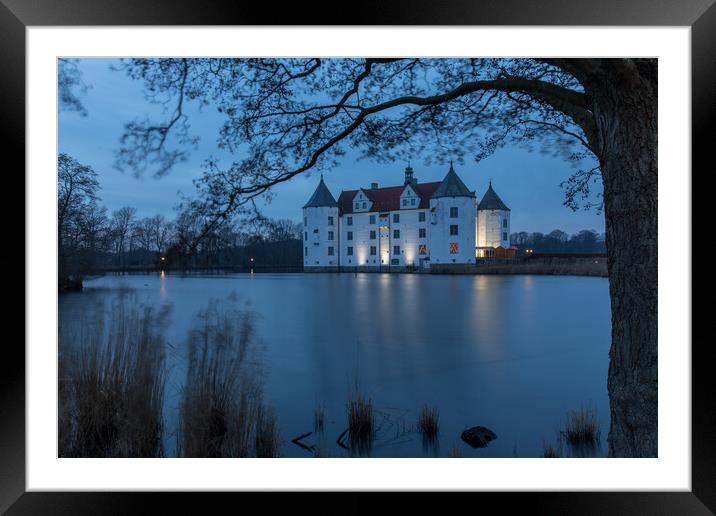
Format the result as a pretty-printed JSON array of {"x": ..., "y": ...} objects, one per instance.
[{"x": 625, "y": 109}]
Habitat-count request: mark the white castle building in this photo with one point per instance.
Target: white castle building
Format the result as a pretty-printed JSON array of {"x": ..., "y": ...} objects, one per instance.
[{"x": 400, "y": 227}]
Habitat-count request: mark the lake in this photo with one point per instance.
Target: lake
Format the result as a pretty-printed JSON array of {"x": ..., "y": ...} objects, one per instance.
[{"x": 511, "y": 353}]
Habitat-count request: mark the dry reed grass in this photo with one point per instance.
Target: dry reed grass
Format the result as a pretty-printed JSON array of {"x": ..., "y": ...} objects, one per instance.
[
  {"x": 222, "y": 412},
  {"x": 111, "y": 384}
]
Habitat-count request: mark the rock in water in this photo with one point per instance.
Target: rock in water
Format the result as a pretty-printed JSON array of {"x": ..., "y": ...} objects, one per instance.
[{"x": 478, "y": 436}]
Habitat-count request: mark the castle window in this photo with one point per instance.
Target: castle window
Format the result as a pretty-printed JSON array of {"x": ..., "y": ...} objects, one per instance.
[
  {"x": 330, "y": 235},
  {"x": 372, "y": 235},
  {"x": 349, "y": 251},
  {"x": 330, "y": 251},
  {"x": 453, "y": 212},
  {"x": 396, "y": 217},
  {"x": 453, "y": 247},
  {"x": 330, "y": 220},
  {"x": 349, "y": 221},
  {"x": 504, "y": 223},
  {"x": 306, "y": 234},
  {"x": 396, "y": 233},
  {"x": 453, "y": 229},
  {"x": 305, "y": 251},
  {"x": 349, "y": 235},
  {"x": 372, "y": 219},
  {"x": 421, "y": 233},
  {"x": 373, "y": 250},
  {"x": 395, "y": 261},
  {"x": 504, "y": 235},
  {"x": 421, "y": 216},
  {"x": 315, "y": 230},
  {"x": 422, "y": 249},
  {"x": 305, "y": 221},
  {"x": 396, "y": 249}
]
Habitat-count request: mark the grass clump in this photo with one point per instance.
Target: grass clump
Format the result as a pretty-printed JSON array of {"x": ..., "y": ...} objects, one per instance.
[
  {"x": 428, "y": 421},
  {"x": 582, "y": 427},
  {"x": 361, "y": 419},
  {"x": 267, "y": 434},
  {"x": 550, "y": 451},
  {"x": 111, "y": 384},
  {"x": 455, "y": 453},
  {"x": 318, "y": 419},
  {"x": 222, "y": 412},
  {"x": 361, "y": 424}
]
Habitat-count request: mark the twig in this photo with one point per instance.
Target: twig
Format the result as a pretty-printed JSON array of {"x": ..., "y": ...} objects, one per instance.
[{"x": 297, "y": 441}]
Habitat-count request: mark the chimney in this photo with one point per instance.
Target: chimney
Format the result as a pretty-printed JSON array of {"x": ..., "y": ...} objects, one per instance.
[{"x": 374, "y": 186}]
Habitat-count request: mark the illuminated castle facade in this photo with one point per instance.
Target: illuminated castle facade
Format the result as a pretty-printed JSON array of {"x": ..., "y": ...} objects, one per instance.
[{"x": 412, "y": 225}]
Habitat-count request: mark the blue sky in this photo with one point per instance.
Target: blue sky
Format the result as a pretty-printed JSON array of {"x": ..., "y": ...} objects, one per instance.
[{"x": 527, "y": 182}]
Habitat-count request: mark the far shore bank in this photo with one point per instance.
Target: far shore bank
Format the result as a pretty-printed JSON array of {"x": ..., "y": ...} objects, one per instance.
[
  {"x": 573, "y": 266},
  {"x": 557, "y": 266}
]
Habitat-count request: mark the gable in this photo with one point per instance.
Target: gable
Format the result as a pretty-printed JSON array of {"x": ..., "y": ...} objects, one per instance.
[{"x": 409, "y": 198}]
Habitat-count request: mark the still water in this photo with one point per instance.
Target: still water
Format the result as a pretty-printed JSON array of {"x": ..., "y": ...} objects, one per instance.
[{"x": 512, "y": 353}]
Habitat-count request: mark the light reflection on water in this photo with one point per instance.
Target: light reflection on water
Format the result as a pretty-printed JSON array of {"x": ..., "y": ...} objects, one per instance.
[{"x": 513, "y": 353}]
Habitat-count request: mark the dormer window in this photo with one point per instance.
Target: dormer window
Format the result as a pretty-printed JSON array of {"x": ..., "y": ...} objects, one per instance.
[
  {"x": 364, "y": 205},
  {"x": 357, "y": 206}
]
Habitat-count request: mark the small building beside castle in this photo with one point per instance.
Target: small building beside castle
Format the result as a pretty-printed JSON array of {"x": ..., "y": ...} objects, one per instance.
[{"x": 412, "y": 225}]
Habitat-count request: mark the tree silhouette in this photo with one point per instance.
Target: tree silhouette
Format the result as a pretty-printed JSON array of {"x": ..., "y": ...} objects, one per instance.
[{"x": 285, "y": 117}]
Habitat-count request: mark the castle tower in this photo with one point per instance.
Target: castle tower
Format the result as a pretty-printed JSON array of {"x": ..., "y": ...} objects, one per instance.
[
  {"x": 321, "y": 229},
  {"x": 452, "y": 222},
  {"x": 493, "y": 223}
]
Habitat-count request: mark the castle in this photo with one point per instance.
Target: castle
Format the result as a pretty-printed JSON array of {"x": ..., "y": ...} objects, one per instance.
[{"x": 401, "y": 227}]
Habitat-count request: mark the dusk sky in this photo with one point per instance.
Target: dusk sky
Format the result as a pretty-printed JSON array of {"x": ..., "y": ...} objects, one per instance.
[{"x": 529, "y": 183}]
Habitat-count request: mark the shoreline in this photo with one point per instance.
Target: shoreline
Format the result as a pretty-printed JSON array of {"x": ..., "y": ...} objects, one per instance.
[{"x": 587, "y": 266}]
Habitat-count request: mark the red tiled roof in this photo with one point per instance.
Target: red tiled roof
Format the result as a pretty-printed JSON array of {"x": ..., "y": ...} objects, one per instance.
[{"x": 388, "y": 198}]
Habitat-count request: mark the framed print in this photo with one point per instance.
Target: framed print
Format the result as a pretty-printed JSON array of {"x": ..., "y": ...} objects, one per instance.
[{"x": 443, "y": 249}]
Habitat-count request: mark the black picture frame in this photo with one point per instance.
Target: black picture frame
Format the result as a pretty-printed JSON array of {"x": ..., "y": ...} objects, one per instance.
[{"x": 16, "y": 15}]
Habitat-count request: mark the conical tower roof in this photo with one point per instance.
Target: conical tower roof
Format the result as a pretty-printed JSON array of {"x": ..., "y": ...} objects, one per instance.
[
  {"x": 492, "y": 201},
  {"x": 321, "y": 197},
  {"x": 452, "y": 186}
]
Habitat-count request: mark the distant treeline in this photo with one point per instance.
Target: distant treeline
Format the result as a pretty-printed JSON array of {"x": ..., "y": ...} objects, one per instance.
[
  {"x": 91, "y": 240},
  {"x": 585, "y": 241}
]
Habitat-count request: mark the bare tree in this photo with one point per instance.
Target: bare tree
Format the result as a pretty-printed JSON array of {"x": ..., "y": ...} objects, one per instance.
[
  {"x": 159, "y": 231},
  {"x": 143, "y": 233},
  {"x": 283, "y": 229},
  {"x": 559, "y": 235},
  {"x": 121, "y": 224},
  {"x": 77, "y": 188},
  {"x": 290, "y": 116}
]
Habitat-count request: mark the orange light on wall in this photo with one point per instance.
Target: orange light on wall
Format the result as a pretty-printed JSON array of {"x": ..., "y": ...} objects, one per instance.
[{"x": 453, "y": 247}]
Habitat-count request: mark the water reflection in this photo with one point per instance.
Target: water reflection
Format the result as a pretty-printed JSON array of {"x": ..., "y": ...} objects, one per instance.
[
  {"x": 163, "y": 287},
  {"x": 514, "y": 354}
]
